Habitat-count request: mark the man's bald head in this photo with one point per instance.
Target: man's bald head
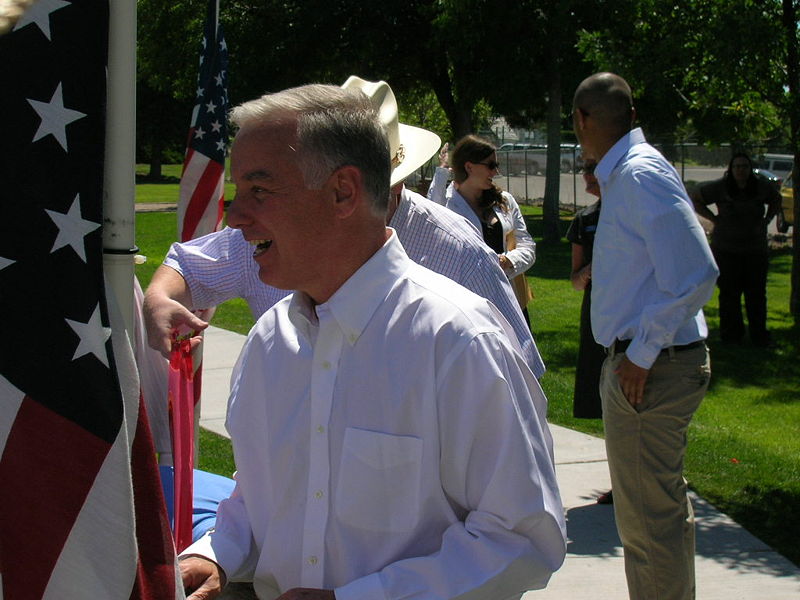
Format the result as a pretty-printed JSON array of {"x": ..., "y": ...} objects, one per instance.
[{"x": 606, "y": 97}]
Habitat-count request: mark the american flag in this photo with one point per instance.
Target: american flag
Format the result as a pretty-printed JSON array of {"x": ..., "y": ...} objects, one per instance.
[
  {"x": 201, "y": 201},
  {"x": 82, "y": 510}
]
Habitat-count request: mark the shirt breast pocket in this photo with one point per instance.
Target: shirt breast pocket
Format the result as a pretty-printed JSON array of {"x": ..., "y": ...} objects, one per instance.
[{"x": 379, "y": 481}]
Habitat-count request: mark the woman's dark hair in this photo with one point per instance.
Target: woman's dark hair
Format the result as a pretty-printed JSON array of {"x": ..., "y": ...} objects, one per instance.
[
  {"x": 473, "y": 149},
  {"x": 730, "y": 183}
]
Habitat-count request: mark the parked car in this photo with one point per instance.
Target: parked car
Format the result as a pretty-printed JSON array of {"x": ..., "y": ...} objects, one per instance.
[
  {"x": 780, "y": 164},
  {"x": 769, "y": 177},
  {"x": 531, "y": 159},
  {"x": 785, "y": 218},
  {"x": 521, "y": 159}
]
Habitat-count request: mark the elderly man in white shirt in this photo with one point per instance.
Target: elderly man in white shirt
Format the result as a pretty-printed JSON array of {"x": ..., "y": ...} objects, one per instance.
[
  {"x": 390, "y": 441},
  {"x": 217, "y": 267}
]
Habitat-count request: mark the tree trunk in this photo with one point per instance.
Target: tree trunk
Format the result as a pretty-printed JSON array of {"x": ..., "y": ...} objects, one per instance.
[
  {"x": 550, "y": 217},
  {"x": 790, "y": 30},
  {"x": 155, "y": 167},
  {"x": 155, "y": 159}
]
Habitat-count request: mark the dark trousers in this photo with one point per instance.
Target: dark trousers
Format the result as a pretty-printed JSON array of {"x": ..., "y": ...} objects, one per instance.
[{"x": 742, "y": 274}]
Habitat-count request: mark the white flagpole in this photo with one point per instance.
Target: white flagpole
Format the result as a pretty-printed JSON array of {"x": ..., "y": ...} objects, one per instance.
[{"x": 119, "y": 195}]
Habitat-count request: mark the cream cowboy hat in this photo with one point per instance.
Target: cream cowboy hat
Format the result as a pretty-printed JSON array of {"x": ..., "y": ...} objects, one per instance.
[{"x": 410, "y": 147}]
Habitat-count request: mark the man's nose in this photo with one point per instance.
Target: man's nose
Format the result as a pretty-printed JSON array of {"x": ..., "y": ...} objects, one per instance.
[{"x": 235, "y": 216}]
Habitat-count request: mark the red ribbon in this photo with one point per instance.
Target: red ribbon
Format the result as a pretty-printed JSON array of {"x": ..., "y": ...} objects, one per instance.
[{"x": 181, "y": 415}]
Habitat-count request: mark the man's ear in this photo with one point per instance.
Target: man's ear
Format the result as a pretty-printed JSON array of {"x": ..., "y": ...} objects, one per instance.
[{"x": 348, "y": 189}]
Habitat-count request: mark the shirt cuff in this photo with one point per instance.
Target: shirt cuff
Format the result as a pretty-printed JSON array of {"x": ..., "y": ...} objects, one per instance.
[
  {"x": 219, "y": 551},
  {"x": 641, "y": 355},
  {"x": 364, "y": 588}
]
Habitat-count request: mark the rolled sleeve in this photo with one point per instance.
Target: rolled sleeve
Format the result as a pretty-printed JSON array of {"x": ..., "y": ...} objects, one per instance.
[{"x": 438, "y": 187}]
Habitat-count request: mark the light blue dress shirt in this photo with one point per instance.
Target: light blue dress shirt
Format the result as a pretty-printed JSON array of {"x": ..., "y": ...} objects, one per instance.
[{"x": 652, "y": 270}]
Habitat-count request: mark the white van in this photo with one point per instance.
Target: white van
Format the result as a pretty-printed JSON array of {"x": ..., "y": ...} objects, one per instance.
[{"x": 780, "y": 164}]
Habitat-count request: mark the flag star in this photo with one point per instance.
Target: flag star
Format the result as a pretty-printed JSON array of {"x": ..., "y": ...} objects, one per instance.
[
  {"x": 39, "y": 13},
  {"x": 199, "y": 133},
  {"x": 93, "y": 337},
  {"x": 220, "y": 145},
  {"x": 216, "y": 126},
  {"x": 211, "y": 107},
  {"x": 204, "y": 42},
  {"x": 72, "y": 228},
  {"x": 55, "y": 117},
  {"x": 218, "y": 79},
  {"x": 223, "y": 45},
  {"x": 5, "y": 262},
  {"x": 200, "y": 91}
]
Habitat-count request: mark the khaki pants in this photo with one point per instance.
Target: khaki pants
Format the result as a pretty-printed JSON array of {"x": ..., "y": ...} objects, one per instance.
[{"x": 646, "y": 447}]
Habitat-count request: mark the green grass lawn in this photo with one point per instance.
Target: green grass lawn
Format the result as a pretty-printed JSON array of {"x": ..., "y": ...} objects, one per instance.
[
  {"x": 744, "y": 442},
  {"x": 167, "y": 190}
]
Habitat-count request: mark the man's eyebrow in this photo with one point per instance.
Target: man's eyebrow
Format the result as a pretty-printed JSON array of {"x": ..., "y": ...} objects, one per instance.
[{"x": 257, "y": 175}]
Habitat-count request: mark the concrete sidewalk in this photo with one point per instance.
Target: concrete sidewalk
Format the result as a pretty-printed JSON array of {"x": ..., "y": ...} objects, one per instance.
[{"x": 731, "y": 563}]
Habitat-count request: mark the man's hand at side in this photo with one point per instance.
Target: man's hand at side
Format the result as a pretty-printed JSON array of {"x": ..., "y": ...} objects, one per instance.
[
  {"x": 632, "y": 379},
  {"x": 202, "y": 577}
]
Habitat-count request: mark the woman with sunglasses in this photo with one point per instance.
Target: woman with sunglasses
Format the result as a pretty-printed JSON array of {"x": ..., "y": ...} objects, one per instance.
[{"x": 474, "y": 195}]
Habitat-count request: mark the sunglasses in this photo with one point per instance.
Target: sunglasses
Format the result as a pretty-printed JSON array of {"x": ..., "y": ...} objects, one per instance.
[{"x": 492, "y": 165}]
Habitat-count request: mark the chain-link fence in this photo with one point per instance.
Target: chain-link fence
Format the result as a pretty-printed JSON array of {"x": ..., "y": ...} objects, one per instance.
[{"x": 523, "y": 166}]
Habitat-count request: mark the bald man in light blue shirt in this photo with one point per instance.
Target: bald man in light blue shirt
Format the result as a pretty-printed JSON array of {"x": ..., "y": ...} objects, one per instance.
[{"x": 652, "y": 273}]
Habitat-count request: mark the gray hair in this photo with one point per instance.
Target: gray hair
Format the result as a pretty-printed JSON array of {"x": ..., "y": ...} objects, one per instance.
[{"x": 335, "y": 127}]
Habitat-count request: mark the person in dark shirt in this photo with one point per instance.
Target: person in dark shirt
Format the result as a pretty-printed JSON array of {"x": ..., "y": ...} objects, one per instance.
[
  {"x": 586, "y": 402},
  {"x": 744, "y": 207}
]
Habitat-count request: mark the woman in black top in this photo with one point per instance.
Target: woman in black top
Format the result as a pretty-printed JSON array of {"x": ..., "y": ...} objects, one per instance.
[{"x": 739, "y": 244}]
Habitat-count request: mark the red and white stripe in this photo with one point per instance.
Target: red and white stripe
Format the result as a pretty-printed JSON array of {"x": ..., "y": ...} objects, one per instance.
[{"x": 202, "y": 193}]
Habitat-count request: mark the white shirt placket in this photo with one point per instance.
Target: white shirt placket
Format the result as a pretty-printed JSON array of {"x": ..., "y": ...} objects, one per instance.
[{"x": 327, "y": 351}]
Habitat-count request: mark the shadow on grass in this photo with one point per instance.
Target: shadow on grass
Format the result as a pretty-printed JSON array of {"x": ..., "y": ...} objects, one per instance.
[
  {"x": 767, "y": 513},
  {"x": 774, "y": 369},
  {"x": 162, "y": 179}
]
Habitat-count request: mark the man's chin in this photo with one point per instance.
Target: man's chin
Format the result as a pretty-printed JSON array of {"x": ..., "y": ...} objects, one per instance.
[{"x": 268, "y": 276}]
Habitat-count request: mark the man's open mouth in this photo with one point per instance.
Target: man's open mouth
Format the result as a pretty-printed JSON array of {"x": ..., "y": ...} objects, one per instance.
[{"x": 261, "y": 246}]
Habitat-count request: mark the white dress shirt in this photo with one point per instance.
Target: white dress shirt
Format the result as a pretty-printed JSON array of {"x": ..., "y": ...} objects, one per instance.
[
  {"x": 524, "y": 255},
  {"x": 652, "y": 268},
  {"x": 390, "y": 443},
  {"x": 220, "y": 266}
]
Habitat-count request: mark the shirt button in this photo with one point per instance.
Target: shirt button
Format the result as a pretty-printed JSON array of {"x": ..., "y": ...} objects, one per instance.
[
  {"x": 326, "y": 365},
  {"x": 318, "y": 494},
  {"x": 320, "y": 429},
  {"x": 353, "y": 338},
  {"x": 312, "y": 560}
]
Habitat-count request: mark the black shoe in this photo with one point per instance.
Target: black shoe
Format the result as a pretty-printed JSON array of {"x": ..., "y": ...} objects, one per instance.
[{"x": 606, "y": 498}]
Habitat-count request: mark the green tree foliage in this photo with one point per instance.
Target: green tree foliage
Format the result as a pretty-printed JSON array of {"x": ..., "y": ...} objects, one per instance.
[
  {"x": 726, "y": 68},
  {"x": 717, "y": 64}
]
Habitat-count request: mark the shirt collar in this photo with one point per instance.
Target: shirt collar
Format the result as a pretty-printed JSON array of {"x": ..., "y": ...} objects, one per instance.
[
  {"x": 354, "y": 303},
  {"x": 401, "y": 212},
  {"x": 607, "y": 164}
]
